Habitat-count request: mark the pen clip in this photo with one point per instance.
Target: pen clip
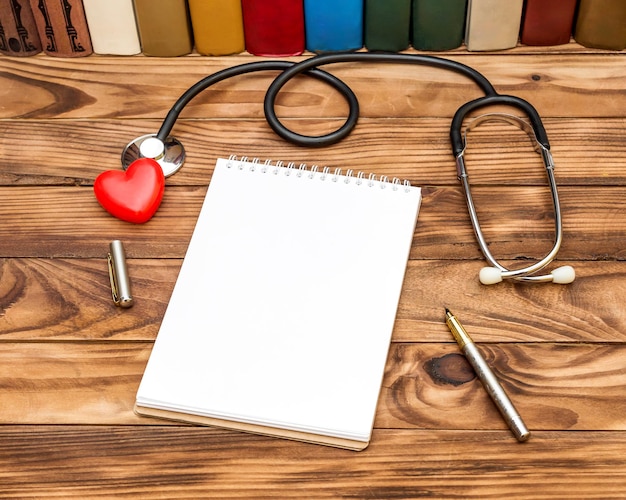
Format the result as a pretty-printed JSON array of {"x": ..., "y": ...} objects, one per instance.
[{"x": 118, "y": 275}]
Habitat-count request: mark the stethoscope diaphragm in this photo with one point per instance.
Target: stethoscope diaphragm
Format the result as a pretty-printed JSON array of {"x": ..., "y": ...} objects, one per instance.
[{"x": 170, "y": 155}]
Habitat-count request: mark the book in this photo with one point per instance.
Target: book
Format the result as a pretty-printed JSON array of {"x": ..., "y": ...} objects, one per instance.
[
  {"x": 273, "y": 28},
  {"x": 493, "y": 24},
  {"x": 438, "y": 24},
  {"x": 547, "y": 22},
  {"x": 217, "y": 26},
  {"x": 164, "y": 27},
  {"x": 387, "y": 25},
  {"x": 62, "y": 27},
  {"x": 112, "y": 27},
  {"x": 281, "y": 318},
  {"x": 333, "y": 25},
  {"x": 18, "y": 31},
  {"x": 601, "y": 24}
]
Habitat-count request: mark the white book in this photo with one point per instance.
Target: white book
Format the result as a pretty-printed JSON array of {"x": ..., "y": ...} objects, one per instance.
[
  {"x": 281, "y": 318},
  {"x": 112, "y": 26},
  {"x": 493, "y": 24}
]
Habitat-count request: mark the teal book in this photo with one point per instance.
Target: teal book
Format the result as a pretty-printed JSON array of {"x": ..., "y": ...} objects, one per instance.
[
  {"x": 438, "y": 24},
  {"x": 387, "y": 25},
  {"x": 333, "y": 25}
]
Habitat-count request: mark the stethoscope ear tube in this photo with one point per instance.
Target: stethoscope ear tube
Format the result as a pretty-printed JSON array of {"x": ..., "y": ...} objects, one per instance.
[
  {"x": 497, "y": 272},
  {"x": 456, "y": 136}
]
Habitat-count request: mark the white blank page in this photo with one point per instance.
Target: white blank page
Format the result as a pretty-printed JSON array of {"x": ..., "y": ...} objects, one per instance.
[{"x": 284, "y": 306}]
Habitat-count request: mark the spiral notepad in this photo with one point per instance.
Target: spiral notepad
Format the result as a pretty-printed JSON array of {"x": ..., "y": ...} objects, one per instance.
[{"x": 281, "y": 317}]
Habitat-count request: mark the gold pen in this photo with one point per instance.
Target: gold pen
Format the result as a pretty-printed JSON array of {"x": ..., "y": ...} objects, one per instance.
[{"x": 488, "y": 378}]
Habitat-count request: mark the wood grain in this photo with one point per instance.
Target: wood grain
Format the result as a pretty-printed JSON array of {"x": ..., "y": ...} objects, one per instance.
[
  {"x": 558, "y": 85},
  {"x": 426, "y": 386},
  {"x": 68, "y": 222},
  {"x": 68, "y": 152},
  {"x": 70, "y": 300},
  {"x": 71, "y": 362},
  {"x": 157, "y": 462}
]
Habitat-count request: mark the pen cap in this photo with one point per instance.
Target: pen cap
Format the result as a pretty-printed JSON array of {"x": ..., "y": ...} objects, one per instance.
[{"x": 118, "y": 274}]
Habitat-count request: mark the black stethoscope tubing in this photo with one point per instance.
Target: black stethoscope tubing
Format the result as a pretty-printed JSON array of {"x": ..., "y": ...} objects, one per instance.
[{"x": 310, "y": 67}]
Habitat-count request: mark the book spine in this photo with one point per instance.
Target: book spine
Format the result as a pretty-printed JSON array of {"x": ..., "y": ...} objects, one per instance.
[
  {"x": 547, "y": 22},
  {"x": 601, "y": 24},
  {"x": 18, "y": 30},
  {"x": 387, "y": 24},
  {"x": 438, "y": 24},
  {"x": 62, "y": 27},
  {"x": 217, "y": 26},
  {"x": 333, "y": 25},
  {"x": 164, "y": 27},
  {"x": 113, "y": 27},
  {"x": 273, "y": 27},
  {"x": 493, "y": 24}
]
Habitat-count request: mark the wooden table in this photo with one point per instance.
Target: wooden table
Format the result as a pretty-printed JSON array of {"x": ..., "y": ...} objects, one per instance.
[{"x": 70, "y": 361}]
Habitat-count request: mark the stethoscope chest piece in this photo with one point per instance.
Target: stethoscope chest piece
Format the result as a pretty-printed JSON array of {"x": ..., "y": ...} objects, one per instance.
[{"x": 170, "y": 155}]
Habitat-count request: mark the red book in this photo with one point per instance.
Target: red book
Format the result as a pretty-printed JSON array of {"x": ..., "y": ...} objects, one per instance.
[
  {"x": 548, "y": 22},
  {"x": 273, "y": 27}
]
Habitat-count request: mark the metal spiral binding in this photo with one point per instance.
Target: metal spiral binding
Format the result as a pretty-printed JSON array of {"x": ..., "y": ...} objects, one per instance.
[{"x": 361, "y": 178}]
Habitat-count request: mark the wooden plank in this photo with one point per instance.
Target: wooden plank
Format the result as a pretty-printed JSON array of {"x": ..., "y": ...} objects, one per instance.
[
  {"x": 70, "y": 299},
  {"x": 154, "y": 462},
  {"x": 68, "y": 222},
  {"x": 426, "y": 386},
  {"x": 73, "y": 152},
  {"x": 40, "y": 87}
]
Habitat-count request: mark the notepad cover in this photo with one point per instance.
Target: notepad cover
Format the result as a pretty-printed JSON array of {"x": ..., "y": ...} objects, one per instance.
[{"x": 282, "y": 314}]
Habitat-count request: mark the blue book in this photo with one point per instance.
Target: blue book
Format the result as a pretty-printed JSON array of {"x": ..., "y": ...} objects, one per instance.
[{"x": 333, "y": 25}]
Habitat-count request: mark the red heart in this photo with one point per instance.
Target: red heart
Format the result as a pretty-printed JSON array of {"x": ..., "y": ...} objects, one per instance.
[{"x": 133, "y": 195}]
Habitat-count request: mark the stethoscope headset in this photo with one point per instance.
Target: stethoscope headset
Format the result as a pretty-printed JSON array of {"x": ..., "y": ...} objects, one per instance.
[{"x": 169, "y": 152}]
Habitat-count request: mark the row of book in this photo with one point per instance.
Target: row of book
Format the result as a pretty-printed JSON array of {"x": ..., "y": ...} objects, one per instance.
[{"x": 166, "y": 28}]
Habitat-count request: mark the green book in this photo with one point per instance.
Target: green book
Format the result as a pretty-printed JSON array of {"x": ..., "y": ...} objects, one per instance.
[
  {"x": 438, "y": 24},
  {"x": 387, "y": 25}
]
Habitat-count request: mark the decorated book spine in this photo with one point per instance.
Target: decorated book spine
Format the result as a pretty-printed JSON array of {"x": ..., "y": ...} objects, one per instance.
[
  {"x": 62, "y": 27},
  {"x": 18, "y": 30}
]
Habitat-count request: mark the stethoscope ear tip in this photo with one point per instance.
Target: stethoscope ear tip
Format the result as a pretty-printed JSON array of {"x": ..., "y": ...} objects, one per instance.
[
  {"x": 563, "y": 275},
  {"x": 490, "y": 275}
]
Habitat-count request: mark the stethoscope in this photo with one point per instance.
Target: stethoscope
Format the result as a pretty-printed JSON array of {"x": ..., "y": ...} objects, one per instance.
[{"x": 170, "y": 154}]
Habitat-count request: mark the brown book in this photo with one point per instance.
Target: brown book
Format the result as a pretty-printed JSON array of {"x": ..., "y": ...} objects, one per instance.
[
  {"x": 164, "y": 27},
  {"x": 601, "y": 24},
  {"x": 18, "y": 31},
  {"x": 62, "y": 27}
]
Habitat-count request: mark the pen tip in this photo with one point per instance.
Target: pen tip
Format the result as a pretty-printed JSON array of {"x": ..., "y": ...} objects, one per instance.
[{"x": 448, "y": 311}]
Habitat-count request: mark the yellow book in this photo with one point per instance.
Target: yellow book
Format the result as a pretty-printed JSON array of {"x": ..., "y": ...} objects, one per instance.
[{"x": 217, "y": 26}]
